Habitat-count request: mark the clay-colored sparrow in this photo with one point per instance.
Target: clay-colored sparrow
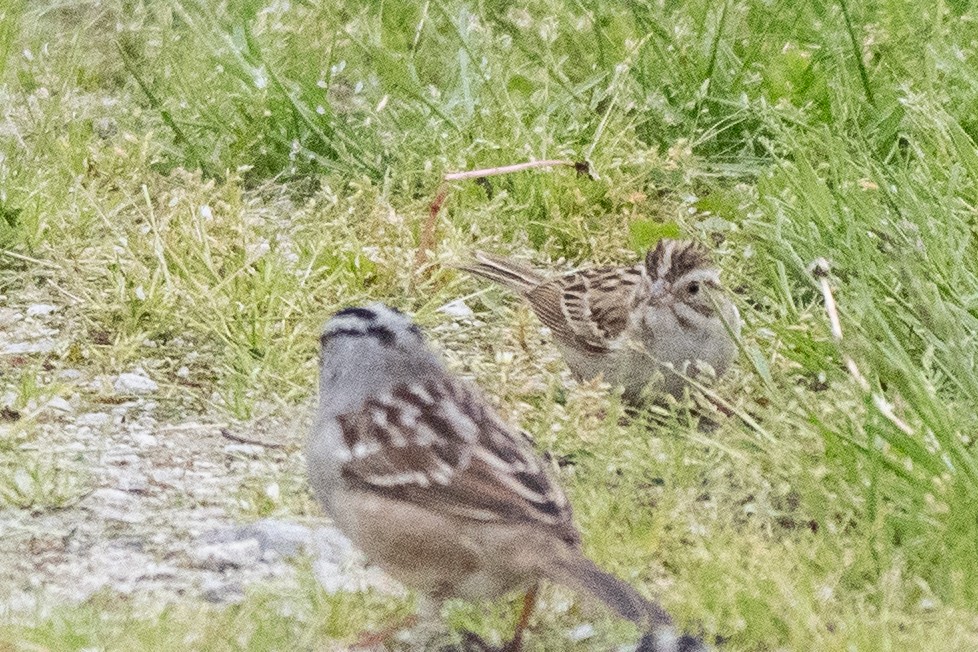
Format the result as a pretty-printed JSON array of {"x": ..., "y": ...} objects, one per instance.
[{"x": 635, "y": 324}]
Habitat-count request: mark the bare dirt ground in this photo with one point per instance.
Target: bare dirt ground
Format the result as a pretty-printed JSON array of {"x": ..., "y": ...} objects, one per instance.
[{"x": 117, "y": 497}]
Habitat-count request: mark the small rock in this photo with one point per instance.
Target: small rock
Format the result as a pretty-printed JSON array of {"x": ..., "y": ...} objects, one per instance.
[
  {"x": 41, "y": 309},
  {"x": 581, "y": 633},
  {"x": 23, "y": 481},
  {"x": 132, "y": 483},
  {"x": 115, "y": 505},
  {"x": 144, "y": 439},
  {"x": 223, "y": 592},
  {"x": 121, "y": 458},
  {"x": 156, "y": 571},
  {"x": 105, "y": 128},
  {"x": 132, "y": 383},
  {"x": 279, "y": 537},
  {"x": 69, "y": 374},
  {"x": 93, "y": 419},
  {"x": 222, "y": 556},
  {"x": 168, "y": 476},
  {"x": 60, "y": 404},
  {"x": 183, "y": 372},
  {"x": 23, "y": 348},
  {"x": 246, "y": 450},
  {"x": 109, "y": 496},
  {"x": 119, "y": 412},
  {"x": 127, "y": 543},
  {"x": 457, "y": 308}
]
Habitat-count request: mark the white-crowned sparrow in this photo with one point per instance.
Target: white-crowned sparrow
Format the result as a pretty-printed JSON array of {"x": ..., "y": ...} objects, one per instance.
[
  {"x": 422, "y": 475},
  {"x": 631, "y": 324}
]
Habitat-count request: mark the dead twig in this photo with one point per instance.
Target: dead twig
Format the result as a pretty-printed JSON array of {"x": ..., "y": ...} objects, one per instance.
[
  {"x": 506, "y": 169},
  {"x": 820, "y": 270},
  {"x": 227, "y": 434},
  {"x": 190, "y": 425},
  {"x": 427, "y": 240}
]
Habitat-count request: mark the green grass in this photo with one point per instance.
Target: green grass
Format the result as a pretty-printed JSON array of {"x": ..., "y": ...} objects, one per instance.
[
  {"x": 40, "y": 483},
  {"x": 274, "y": 161},
  {"x": 270, "y": 619}
]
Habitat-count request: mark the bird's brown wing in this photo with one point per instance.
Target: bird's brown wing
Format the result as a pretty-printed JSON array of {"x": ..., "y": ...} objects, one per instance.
[
  {"x": 436, "y": 444},
  {"x": 588, "y": 309}
]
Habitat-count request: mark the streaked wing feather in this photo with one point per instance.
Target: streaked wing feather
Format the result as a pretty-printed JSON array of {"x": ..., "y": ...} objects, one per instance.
[
  {"x": 436, "y": 445},
  {"x": 548, "y": 302},
  {"x": 588, "y": 309}
]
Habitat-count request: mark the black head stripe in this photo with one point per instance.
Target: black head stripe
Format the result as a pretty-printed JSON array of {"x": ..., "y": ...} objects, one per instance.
[
  {"x": 378, "y": 321},
  {"x": 343, "y": 332},
  {"x": 675, "y": 258},
  {"x": 382, "y": 334},
  {"x": 339, "y": 332},
  {"x": 365, "y": 314}
]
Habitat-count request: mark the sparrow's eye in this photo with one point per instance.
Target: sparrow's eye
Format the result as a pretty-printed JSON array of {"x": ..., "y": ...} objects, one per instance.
[{"x": 693, "y": 288}]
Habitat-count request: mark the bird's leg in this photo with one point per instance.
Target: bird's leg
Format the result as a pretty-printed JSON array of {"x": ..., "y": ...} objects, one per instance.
[{"x": 529, "y": 601}]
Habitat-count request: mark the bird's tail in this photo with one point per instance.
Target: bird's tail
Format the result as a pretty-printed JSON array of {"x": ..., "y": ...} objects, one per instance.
[
  {"x": 516, "y": 276},
  {"x": 581, "y": 574}
]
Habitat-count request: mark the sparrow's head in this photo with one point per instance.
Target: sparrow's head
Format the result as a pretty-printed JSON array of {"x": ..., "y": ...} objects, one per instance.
[
  {"x": 368, "y": 350},
  {"x": 682, "y": 276},
  {"x": 376, "y": 324}
]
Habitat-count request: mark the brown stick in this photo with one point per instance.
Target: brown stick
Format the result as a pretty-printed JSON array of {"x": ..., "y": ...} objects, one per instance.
[
  {"x": 529, "y": 601},
  {"x": 427, "y": 240},
  {"x": 227, "y": 434},
  {"x": 506, "y": 169}
]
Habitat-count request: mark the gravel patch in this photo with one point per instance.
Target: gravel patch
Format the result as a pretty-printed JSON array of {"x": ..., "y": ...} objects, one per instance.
[{"x": 159, "y": 513}]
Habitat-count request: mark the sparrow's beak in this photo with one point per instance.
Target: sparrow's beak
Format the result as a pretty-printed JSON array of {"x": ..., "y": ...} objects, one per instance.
[{"x": 660, "y": 291}]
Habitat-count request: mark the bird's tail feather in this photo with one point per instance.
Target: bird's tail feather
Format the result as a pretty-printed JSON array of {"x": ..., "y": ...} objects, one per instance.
[
  {"x": 583, "y": 575},
  {"x": 516, "y": 276}
]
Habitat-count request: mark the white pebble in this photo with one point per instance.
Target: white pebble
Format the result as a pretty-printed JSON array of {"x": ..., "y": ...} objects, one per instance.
[
  {"x": 93, "y": 419},
  {"x": 458, "y": 309},
  {"x": 581, "y": 633},
  {"x": 41, "y": 309},
  {"x": 60, "y": 404},
  {"x": 144, "y": 439},
  {"x": 245, "y": 450},
  {"x": 130, "y": 383},
  {"x": 219, "y": 557}
]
